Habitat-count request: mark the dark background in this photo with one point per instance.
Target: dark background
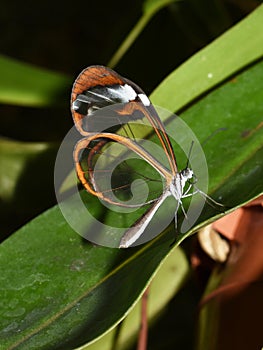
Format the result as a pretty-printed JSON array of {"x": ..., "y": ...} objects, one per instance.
[{"x": 69, "y": 36}]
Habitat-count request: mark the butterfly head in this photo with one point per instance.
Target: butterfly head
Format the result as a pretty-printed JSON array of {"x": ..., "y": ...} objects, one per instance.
[{"x": 187, "y": 175}]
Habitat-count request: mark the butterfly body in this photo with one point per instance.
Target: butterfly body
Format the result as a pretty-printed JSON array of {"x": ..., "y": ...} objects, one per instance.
[
  {"x": 174, "y": 189},
  {"x": 104, "y": 106}
]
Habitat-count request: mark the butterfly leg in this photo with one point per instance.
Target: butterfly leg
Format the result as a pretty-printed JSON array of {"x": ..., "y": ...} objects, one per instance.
[
  {"x": 179, "y": 203},
  {"x": 187, "y": 191},
  {"x": 209, "y": 199}
]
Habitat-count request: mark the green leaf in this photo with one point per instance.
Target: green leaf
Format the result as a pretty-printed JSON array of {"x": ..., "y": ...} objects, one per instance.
[
  {"x": 61, "y": 285},
  {"x": 26, "y": 85},
  {"x": 172, "y": 274},
  {"x": 13, "y": 158},
  {"x": 225, "y": 56},
  {"x": 228, "y": 122},
  {"x": 26, "y": 181}
]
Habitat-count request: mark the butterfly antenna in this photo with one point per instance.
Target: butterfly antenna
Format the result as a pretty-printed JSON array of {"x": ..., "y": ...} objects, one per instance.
[{"x": 189, "y": 154}]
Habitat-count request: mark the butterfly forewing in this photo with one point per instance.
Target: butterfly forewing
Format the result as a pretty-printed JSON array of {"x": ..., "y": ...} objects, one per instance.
[{"x": 98, "y": 87}]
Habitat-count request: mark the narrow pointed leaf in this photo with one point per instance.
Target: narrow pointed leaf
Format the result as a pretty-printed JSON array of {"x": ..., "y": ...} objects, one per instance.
[
  {"x": 26, "y": 85},
  {"x": 225, "y": 56}
]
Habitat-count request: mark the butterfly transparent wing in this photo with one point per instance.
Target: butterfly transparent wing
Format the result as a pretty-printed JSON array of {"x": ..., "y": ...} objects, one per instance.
[{"x": 118, "y": 171}]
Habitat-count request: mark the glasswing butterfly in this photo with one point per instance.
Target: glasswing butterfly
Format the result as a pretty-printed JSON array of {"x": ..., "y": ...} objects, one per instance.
[{"x": 113, "y": 115}]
